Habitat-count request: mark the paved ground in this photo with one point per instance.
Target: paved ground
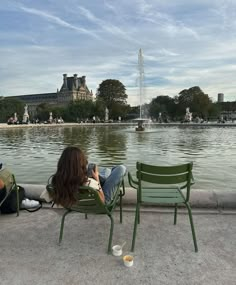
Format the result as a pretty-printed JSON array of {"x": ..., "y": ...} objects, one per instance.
[{"x": 164, "y": 253}]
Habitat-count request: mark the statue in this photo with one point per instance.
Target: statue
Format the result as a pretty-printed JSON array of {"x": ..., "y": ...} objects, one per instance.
[
  {"x": 26, "y": 115},
  {"x": 188, "y": 116},
  {"x": 106, "y": 115},
  {"x": 15, "y": 118},
  {"x": 50, "y": 118}
]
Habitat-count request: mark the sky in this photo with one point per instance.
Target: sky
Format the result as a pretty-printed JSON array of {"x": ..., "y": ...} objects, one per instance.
[{"x": 184, "y": 44}]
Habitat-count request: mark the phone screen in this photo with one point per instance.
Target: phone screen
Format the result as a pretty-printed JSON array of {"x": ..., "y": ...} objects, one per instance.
[{"x": 91, "y": 167}]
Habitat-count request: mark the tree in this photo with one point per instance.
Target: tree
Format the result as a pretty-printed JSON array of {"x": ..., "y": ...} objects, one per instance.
[
  {"x": 9, "y": 106},
  {"x": 194, "y": 98},
  {"x": 162, "y": 104},
  {"x": 79, "y": 110},
  {"x": 100, "y": 108},
  {"x": 42, "y": 111},
  {"x": 113, "y": 93}
]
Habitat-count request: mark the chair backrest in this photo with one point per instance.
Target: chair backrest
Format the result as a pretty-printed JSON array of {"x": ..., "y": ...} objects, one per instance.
[
  {"x": 87, "y": 201},
  {"x": 165, "y": 175},
  {"x": 8, "y": 178}
]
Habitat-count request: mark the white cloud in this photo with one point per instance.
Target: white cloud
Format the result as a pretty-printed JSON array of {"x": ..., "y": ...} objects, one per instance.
[
  {"x": 184, "y": 44},
  {"x": 57, "y": 20}
]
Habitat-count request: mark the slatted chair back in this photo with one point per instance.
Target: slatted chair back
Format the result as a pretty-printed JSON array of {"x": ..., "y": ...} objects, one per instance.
[{"x": 164, "y": 175}]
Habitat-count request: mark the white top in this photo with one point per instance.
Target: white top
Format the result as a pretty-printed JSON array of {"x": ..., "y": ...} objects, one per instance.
[{"x": 91, "y": 183}]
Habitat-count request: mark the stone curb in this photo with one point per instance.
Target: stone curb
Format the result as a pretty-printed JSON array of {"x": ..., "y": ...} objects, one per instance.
[{"x": 208, "y": 199}]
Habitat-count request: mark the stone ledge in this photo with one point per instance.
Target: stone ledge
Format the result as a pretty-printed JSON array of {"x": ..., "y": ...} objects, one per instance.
[{"x": 208, "y": 199}]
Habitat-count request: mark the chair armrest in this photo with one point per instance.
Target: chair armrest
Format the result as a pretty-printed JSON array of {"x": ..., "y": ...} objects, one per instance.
[{"x": 133, "y": 183}]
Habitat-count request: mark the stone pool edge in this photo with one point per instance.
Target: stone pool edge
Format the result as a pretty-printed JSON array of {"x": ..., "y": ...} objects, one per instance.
[{"x": 207, "y": 199}]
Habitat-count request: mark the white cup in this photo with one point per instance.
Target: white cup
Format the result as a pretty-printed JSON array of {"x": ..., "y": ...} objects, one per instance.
[
  {"x": 117, "y": 250},
  {"x": 128, "y": 260}
]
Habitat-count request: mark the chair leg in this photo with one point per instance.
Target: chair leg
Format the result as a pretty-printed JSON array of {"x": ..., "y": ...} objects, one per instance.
[
  {"x": 62, "y": 225},
  {"x": 111, "y": 234},
  {"x": 138, "y": 215},
  {"x": 175, "y": 217},
  {"x": 121, "y": 214},
  {"x": 122, "y": 193},
  {"x": 17, "y": 201},
  {"x": 136, "y": 221},
  {"x": 192, "y": 226}
]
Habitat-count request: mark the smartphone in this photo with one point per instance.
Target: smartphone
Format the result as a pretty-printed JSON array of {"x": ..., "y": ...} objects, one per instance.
[{"x": 91, "y": 167}]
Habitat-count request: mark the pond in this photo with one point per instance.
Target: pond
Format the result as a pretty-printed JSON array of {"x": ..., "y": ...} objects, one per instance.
[{"x": 32, "y": 153}]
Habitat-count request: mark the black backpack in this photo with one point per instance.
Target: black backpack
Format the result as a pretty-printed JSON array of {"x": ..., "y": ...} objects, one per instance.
[{"x": 9, "y": 205}]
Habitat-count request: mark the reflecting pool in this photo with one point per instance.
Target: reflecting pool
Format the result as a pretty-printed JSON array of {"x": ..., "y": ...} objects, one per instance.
[{"x": 32, "y": 153}]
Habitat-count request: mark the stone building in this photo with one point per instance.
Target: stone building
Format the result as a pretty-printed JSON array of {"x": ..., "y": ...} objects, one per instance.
[
  {"x": 220, "y": 97},
  {"x": 73, "y": 88}
]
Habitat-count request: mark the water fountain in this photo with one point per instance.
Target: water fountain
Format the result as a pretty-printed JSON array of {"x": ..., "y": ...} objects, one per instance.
[{"x": 140, "y": 120}]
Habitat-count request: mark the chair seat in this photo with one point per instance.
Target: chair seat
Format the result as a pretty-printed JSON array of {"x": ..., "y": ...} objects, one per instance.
[{"x": 162, "y": 195}]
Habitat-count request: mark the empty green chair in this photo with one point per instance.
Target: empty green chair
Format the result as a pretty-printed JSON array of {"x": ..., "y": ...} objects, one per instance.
[
  {"x": 162, "y": 185},
  {"x": 88, "y": 202},
  {"x": 10, "y": 183}
]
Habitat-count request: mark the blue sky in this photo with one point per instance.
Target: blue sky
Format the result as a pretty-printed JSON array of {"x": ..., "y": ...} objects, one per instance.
[{"x": 184, "y": 43}]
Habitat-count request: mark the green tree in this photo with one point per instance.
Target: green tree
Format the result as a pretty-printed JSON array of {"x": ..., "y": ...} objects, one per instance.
[
  {"x": 214, "y": 111},
  {"x": 99, "y": 109},
  {"x": 113, "y": 93},
  {"x": 58, "y": 112},
  {"x": 194, "y": 98},
  {"x": 79, "y": 110},
  {"x": 9, "y": 106},
  {"x": 162, "y": 104},
  {"x": 42, "y": 111},
  {"x": 132, "y": 112}
]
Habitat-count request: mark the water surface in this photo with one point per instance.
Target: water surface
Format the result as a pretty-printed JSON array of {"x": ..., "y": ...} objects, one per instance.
[{"x": 32, "y": 153}]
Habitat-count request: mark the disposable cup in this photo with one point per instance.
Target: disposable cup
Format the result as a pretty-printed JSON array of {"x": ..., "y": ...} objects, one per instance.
[
  {"x": 117, "y": 250},
  {"x": 128, "y": 260}
]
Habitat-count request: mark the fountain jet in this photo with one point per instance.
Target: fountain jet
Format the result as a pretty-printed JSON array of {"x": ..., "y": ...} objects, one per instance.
[{"x": 140, "y": 120}]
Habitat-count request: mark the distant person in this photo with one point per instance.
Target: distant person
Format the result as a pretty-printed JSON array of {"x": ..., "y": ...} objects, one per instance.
[{"x": 72, "y": 172}]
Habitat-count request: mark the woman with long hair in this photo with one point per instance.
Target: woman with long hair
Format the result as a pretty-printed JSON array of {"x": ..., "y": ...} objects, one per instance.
[{"x": 72, "y": 172}]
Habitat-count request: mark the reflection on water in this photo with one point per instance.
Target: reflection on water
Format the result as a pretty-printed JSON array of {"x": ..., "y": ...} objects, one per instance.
[{"x": 32, "y": 153}]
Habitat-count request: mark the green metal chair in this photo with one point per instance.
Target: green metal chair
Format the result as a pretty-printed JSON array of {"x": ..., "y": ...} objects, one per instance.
[
  {"x": 88, "y": 202},
  {"x": 10, "y": 183},
  {"x": 162, "y": 185}
]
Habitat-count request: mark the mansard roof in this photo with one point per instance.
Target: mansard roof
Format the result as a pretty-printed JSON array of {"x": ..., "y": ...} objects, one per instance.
[{"x": 73, "y": 83}]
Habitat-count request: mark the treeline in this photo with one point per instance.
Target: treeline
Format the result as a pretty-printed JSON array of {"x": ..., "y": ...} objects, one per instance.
[
  {"x": 174, "y": 109},
  {"x": 111, "y": 94}
]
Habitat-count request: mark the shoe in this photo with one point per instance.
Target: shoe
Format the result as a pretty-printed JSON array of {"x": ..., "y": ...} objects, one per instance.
[{"x": 28, "y": 204}]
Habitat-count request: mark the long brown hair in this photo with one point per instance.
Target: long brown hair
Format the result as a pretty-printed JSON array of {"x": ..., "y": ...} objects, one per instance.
[{"x": 71, "y": 173}]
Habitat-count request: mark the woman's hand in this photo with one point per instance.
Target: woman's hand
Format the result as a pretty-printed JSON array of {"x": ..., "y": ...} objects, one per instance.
[{"x": 95, "y": 173}]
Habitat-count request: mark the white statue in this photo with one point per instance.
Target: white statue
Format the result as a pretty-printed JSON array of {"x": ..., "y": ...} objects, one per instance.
[
  {"x": 188, "y": 115},
  {"x": 15, "y": 118},
  {"x": 26, "y": 115},
  {"x": 50, "y": 117},
  {"x": 106, "y": 115}
]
